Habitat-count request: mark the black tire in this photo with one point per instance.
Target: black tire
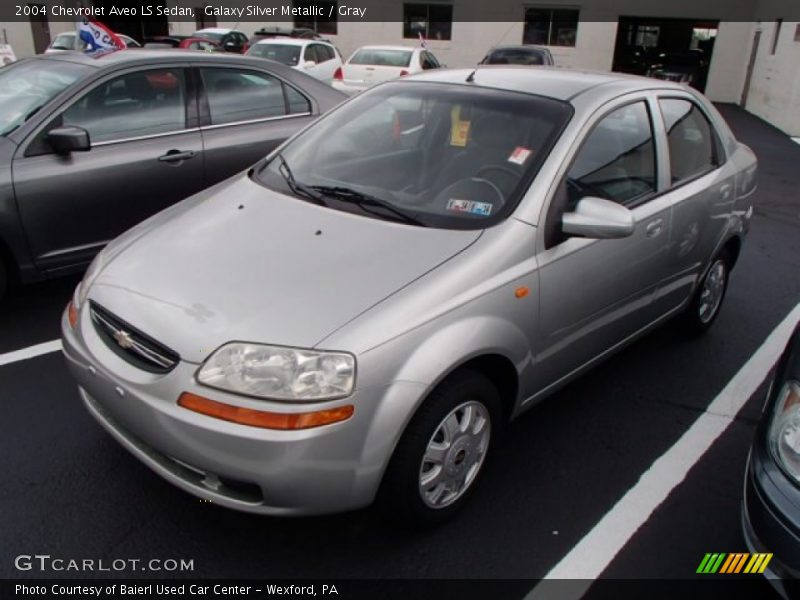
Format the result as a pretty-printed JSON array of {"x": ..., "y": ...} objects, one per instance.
[
  {"x": 400, "y": 497},
  {"x": 3, "y": 281},
  {"x": 698, "y": 318}
]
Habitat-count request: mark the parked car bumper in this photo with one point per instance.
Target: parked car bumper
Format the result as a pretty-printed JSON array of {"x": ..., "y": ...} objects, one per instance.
[
  {"x": 771, "y": 521},
  {"x": 326, "y": 469}
]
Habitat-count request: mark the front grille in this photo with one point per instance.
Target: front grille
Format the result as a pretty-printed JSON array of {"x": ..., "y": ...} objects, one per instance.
[{"x": 130, "y": 344}]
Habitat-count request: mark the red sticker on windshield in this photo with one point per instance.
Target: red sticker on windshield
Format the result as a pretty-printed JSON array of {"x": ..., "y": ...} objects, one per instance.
[{"x": 519, "y": 155}]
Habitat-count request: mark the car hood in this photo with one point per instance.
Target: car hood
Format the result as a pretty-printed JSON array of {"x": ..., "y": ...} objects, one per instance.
[{"x": 245, "y": 263}]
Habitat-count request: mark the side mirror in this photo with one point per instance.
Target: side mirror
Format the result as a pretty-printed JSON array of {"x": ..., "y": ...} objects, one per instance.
[
  {"x": 598, "y": 218},
  {"x": 69, "y": 139},
  {"x": 308, "y": 64}
]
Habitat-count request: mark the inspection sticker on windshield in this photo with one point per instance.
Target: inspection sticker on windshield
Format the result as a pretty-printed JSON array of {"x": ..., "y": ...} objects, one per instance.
[
  {"x": 519, "y": 155},
  {"x": 483, "y": 209}
]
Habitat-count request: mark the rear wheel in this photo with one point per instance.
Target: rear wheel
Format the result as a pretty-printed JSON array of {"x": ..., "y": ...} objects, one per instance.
[
  {"x": 440, "y": 456},
  {"x": 707, "y": 300}
]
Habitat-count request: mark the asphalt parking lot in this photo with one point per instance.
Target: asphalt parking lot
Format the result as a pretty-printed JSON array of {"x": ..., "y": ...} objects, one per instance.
[{"x": 71, "y": 491}]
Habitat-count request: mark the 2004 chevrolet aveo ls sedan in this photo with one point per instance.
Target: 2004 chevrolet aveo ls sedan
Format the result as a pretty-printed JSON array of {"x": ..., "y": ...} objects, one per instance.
[{"x": 358, "y": 315}]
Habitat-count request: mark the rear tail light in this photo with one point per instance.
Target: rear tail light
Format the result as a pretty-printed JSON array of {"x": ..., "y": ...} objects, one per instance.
[
  {"x": 338, "y": 75},
  {"x": 403, "y": 73}
]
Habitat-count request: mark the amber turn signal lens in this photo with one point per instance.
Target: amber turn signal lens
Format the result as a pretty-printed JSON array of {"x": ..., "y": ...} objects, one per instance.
[
  {"x": 260, "y": 418},
  {"x": 72, "y": 314},
  {"x": 521, "y": 292}
]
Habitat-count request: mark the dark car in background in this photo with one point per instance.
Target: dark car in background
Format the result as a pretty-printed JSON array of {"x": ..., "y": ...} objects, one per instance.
[
  {"x": 303, "y": 33},
  {"x": 681, "y": 67},
  {"x": 230, "y": 40},
  {"x": 771, "y": 506},
  {"x": 91, "y": 146},
  {"x": 518, "y": 55}
]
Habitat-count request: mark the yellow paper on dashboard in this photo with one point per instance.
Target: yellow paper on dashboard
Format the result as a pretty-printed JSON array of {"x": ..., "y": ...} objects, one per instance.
[{"x": 459, "y": 130}]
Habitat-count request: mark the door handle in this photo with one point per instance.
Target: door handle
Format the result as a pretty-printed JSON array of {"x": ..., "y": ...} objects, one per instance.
[
  {"x": 725, "y": 191},
  {"x": 176, "y": 156},
  {"x": 654, "y": 227}
]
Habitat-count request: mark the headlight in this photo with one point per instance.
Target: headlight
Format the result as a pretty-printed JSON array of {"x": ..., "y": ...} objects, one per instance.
[
  {"x": 278, "y": 372},
  {"x": 784, "y": 431}
]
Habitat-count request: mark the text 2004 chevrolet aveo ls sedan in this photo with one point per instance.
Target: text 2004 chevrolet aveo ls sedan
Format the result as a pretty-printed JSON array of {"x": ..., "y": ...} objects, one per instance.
[{"x": 357, "y": 315}]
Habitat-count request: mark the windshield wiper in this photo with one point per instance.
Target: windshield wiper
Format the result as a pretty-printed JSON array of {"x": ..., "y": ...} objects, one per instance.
[
  {"x": 25, "y": 120},
  {"x": 365, "y": 200},
  {"x": 298, "y": 189}
]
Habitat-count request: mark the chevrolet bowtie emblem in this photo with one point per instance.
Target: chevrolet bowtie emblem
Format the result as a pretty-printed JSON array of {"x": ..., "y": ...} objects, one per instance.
[{"x": 124, "y": 339}]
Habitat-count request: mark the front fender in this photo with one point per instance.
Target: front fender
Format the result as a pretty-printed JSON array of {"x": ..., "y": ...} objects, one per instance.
[{"x": 425, "y": 357}]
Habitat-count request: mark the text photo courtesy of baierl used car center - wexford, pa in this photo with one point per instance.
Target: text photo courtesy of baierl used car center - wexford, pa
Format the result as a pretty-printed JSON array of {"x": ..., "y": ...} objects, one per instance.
[{"x": 393, "y": 299}]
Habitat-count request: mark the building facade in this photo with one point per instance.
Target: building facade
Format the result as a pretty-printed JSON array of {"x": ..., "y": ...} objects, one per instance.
[{"x": 749, "y": 50}]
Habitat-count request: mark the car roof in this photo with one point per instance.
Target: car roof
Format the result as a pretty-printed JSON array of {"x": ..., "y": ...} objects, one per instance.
[
  {"x": 288, "y": 41},
  {"x": 216, "y": 30},
  {"x": 154, "y": 56},
  {"x": 553, "y": 82},
  {"x": 520, "y": 47},
  {"x": 409, "y": 48}
]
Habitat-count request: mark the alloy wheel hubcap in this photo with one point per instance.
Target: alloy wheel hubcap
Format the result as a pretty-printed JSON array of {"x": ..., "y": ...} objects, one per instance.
[
  {"x": 713, "y": 288},
  {"x": 454, "y": 454}
]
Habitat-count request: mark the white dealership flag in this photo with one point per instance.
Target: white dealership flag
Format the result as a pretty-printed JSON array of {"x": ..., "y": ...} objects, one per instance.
[{"x": 97, "y": 36}]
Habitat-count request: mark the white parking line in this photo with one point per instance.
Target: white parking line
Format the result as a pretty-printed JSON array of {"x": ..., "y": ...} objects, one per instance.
[
  {"x": 590, "y": 557},
  {"x": 30, "y": 352}
]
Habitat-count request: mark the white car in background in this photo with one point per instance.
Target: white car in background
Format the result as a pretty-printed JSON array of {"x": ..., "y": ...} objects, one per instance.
[
  {"x": 315, "y": 57},
  {"x": 370, "y": 65},
  {"x": 69, "y": 40}
]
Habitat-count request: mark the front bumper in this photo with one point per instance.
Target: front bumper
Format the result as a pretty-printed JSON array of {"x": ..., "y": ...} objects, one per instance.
[
  {"x": 771, "y": 521},
  {"x": 327, "y": 469}
]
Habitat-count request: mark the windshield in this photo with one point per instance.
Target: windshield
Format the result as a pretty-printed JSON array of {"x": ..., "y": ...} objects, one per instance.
[
  {"x": 439, "y": 155},
  {"x": 381, "y": 58},
  {"x": 516, "y": 56},
  {"x": 28, "y": 85},
  {"x": 283, "y": 53},
  {"x": 209, "y": 35},
  {"x": 64, "y": 41}
]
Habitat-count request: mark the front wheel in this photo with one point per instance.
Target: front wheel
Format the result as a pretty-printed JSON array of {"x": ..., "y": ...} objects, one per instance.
[
  {"x": 441, "y": 454},
  {"x": 3, "y": 281},
  {"x": 707, "y": 300}
]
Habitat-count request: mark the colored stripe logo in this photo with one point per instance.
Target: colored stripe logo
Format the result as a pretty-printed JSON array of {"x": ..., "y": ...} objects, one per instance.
[{"x": 736, "y": 562}]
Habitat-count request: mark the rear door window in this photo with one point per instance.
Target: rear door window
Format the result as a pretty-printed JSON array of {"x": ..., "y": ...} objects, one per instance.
[
  {"x": 693, "y": 145},
  {"x": 236, "y": 95}
]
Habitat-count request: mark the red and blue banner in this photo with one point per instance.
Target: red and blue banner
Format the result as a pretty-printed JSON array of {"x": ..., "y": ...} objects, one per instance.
[{"x": 97, "y": 36}]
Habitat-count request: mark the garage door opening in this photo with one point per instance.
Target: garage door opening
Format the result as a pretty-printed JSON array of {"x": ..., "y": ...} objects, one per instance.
[
  {"x": 136, "y": 27},
  {"x": 672, "y": 49}
]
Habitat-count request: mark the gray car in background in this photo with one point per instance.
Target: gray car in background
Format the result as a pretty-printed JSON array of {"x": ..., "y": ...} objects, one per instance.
[
  {"x": 527, "y": 55},
  {"x": 359, "y": 315},
  {"x": 90, "y": 146}
]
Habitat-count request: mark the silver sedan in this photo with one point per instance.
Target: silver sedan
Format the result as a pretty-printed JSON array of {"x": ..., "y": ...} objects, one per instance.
[{"x": 358, "y": 315}]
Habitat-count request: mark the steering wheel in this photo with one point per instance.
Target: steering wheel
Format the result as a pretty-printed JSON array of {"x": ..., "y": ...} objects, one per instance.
[
  {"x": 508, "y": 176},
  {"x": 499, "y": 168}
]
